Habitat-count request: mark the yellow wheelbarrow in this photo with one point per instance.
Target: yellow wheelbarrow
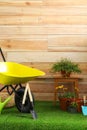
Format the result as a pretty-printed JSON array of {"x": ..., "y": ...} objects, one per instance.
[{"x": 12, "y": 75}]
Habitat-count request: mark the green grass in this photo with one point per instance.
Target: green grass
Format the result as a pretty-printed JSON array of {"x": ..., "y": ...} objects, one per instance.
[{"x": 50, "y": 117}]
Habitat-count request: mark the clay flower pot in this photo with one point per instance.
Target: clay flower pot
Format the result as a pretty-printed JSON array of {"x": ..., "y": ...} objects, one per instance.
[
  {"x": 65, "y": 74},
  {"x": 64, "y": 103}
]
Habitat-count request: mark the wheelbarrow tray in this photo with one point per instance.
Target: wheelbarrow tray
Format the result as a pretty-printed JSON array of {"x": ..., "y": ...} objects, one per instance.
[{"x": 15, "y": 73}]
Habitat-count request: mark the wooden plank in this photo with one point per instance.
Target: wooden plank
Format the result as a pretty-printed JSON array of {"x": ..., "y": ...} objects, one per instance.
[
  {"x": 23, "y": 37},
  {"x": 32, "y": 30},
  {"x": 19, "y": 3},
  {"x": 23, "y": 30},
  {"x": 44, "y": 10},
  {"x": 83, "y": 66},
  {"x": 44, "y": 96},
  {"x": 67, "y": 40},
  {"x": 19, "y": 11},
  {"x": 68, "y": 43},
  {"x": 45, "y": 56},
  {"x": 21, "y": 45},
  {"x": 65, "y": 2},
  {"x": 42, "y": 20},
  {"x": 44, "y": 2},
  {"x": 58, "y": 11},
  {"x": 67, "y": 29},
  {"x": 83, "y": 89},
  {"x": 42, "y": 87},
  {"x": 55, "y": 19},
  {"x": 19, "y": 20},
  {"x": 67, "y": 49},
  {"x": 45, "y": 87}
]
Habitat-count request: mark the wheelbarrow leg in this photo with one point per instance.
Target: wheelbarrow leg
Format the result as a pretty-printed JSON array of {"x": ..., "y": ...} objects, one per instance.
[{"x": 27, "y": 89}]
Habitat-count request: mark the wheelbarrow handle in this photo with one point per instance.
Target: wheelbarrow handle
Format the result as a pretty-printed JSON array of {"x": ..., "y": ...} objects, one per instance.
[{"x": 2, "y": 55}]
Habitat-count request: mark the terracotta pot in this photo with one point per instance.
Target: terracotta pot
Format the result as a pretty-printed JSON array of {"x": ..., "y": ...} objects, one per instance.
[
  {"x": 65, "y": 74},
  {"x": 64, "y": 103},
  {"x": 68, "y": 74}
]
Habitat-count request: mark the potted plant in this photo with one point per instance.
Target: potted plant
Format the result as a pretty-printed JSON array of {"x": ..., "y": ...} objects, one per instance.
[
  {"x": 65, "y": 97},
  {"x": 73, "y": 107},
  {"x": 68, "y": 99},
  {"x": 66, "y": 67}
]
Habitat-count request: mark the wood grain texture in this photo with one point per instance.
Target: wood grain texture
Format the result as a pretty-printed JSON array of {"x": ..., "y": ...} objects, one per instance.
[
  {"x": 42, "y": 20},
  {"x": 44, "y": 96},
  {"x": 43, "y": 2},
  {"x": 67, "y": 40},
  {"x": 67, "y": 49},
  {"x": 19, "y": 11},
  {"x": 23, "y": 45},
  {"x": 23, "y": 3},
  {"x": 23, "y": 37},
  {"x": 49, "y": 30},
  {"x": 65, "y": 3},
  {"x": 45, "y": 56},
  {"x": 38, "y": 33},
  {"x": 19, "y": 20},
  {"x": 67, "y": 43},
  {"x": 57, "y": 19},
  {"x": 42, "y": 11},
  {"x": 42, "y": 87}
]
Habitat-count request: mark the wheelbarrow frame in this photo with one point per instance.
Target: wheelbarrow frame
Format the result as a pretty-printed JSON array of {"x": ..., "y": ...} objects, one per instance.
[
  {"x": 10, "y": 89},
  {"x": 9, "y": 86},
  {"x": 14, "y": 89}
]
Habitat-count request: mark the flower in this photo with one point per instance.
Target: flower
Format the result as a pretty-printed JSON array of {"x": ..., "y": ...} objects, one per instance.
[
  {"x": 76, "y": 89},
  {"x": 60, "y": 94},
  {"x": 59, "y": 87}
]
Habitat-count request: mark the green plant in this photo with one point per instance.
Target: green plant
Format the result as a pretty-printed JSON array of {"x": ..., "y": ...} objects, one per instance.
[
  {"x": 73, "y": 104},
  {"x": 72, "y": 107},
  {"x": 63, "y": 93},
  {"x": 69, "y": 95},
  {"x": 66, "y": 67}
]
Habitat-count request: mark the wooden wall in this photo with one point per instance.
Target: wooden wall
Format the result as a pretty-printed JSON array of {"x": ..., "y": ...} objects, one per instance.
[{"x": 39, "y": 32}]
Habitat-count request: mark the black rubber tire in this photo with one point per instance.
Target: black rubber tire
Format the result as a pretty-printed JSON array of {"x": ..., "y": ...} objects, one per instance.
[{"x": 18, "y": 101}]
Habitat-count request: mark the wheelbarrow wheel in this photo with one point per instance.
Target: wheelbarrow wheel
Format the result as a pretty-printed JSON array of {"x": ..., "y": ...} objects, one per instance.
[{"x": 18, "y": 101}]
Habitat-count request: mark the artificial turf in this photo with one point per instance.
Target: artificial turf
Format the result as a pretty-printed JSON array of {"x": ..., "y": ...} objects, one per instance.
[{"x": 50, "y": 117}]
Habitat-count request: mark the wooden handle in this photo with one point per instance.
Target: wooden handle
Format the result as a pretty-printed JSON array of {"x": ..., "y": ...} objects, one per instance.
[
  {"x": 29, "y": 92},
  {"x": 24, "y": 96},
  {"x": 27, "y": 89}
]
